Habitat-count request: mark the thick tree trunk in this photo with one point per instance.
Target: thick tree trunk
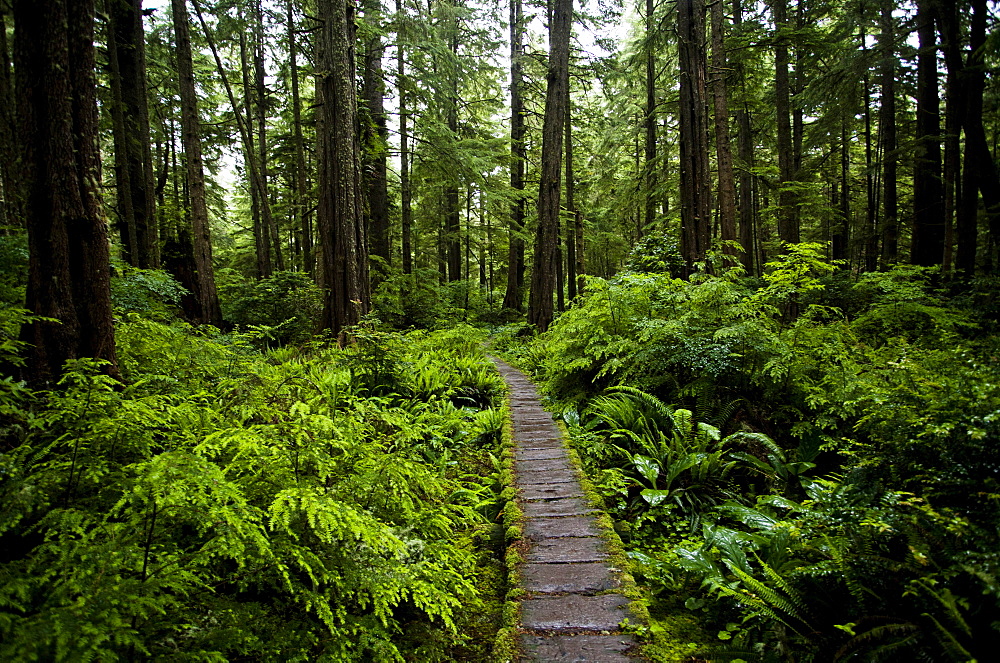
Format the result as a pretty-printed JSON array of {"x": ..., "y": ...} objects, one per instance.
[
  {"x": 204, "y": 285},
  {"x": 515, "y": 255},
  {"x": 375, "y": 169},
  {"x": 133, "y": 156},
  {"x": 723, "y": 147},
  {"x": 788, "y": 222},
  {"x": 69, "y": 263},
  {"x": 979, "y": 157},
  {"x": 696, "y": 181},
  {"x": 543, "y": 275},
  {"x": 927, "y": 244},
  {"x": 890, "y": 198},
  {"x": 339, "y": 215}
]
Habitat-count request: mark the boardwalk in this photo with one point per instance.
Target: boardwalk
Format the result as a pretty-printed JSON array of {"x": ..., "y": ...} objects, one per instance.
[{"x": 571, "y": 611}]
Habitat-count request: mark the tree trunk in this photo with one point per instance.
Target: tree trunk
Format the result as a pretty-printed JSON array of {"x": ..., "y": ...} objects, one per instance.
[
  {"x": 339, "y": 215},
  {"x": 978, "y": 154},
  {"x": 745, "y": 147},
  {"x": 133, "y": 155},
  {"x": 927, "y": 244},
  {"x": 518, "y": 153},
  {"x": 696, "y": 181},
  {"x": 11, "y": 189},
  {"x": 723, "y": 148},
  {"x": 788, "y": 225},
  {"x": 258, "y": 193},
  {"x": 571, "y": 260},
  {"x": 543, "y": 275},
  {"x": 267, "y": 218},
  {"x": 890, "y": 200},
  {"x": 452, "y": 214},
  {"x": 69, "y": 263},
  {"x": 301, "y": 193},
  {"x": 406, "y": 211},
  {"x": 208, "y": 311},
  {"x": 375, "y": 163},
  {"x": 650, "y": 121}
]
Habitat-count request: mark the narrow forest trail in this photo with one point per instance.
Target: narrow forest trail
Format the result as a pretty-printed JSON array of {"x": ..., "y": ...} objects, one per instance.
[{"x": 571, "y": 610}]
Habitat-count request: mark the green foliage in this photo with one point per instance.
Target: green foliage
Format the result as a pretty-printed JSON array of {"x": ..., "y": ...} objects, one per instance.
[
  {"x": 886, "y": 385},
  {"x": 285, "y": 306},
  {"x": 228, "y": 503},
  {"x": 152, "y": 293}
]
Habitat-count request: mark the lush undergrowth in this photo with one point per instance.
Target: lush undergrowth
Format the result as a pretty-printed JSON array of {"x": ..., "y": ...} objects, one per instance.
[
  {"x": 229, "y": 502},
  {"x": 806, "y": 466}
]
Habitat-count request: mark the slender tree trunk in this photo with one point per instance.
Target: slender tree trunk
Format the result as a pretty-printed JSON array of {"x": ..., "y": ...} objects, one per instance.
[
  {"x": 723, "y": 147},
  {"x": 927, "y": 244},
  {"x": 126, "y": 215},
  {"x": 650, "y": 121},
  {"x": 947, "y": 20},
  {"x": 515, "y": 256},
  {"x": 890, "y": 199},
  {"x": 406, "y": 211},
  {"x": 452, "y": 216},
  {"x": 745, "y": 148},
  {"x": 301, "y": 194},
  {"x": 258, "y": 193},
  {"x": 696, "y": 182},
  {"x": 11, "y": 189},
  {"x": 69, "y": 263},
  {"x": 871, "y": 212},
  {"x": 339, "y": 215},
  {"x": 788, "y": 227},
  {"x": 204, "y": 285},
  {"x": 270, "y": 226},
  {"x": 543, "y": 275},
  {"x": 376, "y": 184},
  {"x": 841, "y": 235},
  {"x": 571, "y": 273}
]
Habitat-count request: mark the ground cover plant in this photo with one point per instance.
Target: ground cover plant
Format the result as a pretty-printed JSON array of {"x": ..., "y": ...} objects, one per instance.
[
  {"x": 229, "y": 502},
  {"x": 806, "y": 465}
]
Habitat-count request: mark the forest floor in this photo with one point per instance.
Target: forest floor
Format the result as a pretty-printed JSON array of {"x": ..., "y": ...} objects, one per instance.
[{"x": 572, "y": 608}]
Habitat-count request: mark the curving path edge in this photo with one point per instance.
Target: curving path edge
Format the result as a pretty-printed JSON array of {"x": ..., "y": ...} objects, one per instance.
[{"x": 571, "y": 610}]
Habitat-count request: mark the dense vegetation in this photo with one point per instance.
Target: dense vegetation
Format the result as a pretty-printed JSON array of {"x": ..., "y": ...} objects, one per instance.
[
  {"x": 805, "y": 465},
  {"x": 228, "y": 501},
  {"x": 249, "y": 250}
]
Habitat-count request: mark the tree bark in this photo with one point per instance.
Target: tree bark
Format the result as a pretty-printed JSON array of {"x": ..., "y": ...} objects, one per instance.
[
  {"x": 745, "y": 147},
  {"x": 723, "y": 147},
  {"x": 518, "y": 153},
  {"x": 339, "y": 214},
  {"x": 301, "y": 193},
  {"x": 650, "y": 122},
  {"x": 788, "y": 223},
  {"x": 374, "y": 168},
  {"x": 571, "y": 260},
  {"x": 452, "y": 214},
  {"x": 890, "y": 199},
  {"x": 130, "y": 109},
  {"x": 406, "y": 210},
  {"x": 260, "y": 89},
  {"x": 543, "y": 275},
  {"x": 927, "y": 244},
  {"x": 696, "y": 181},
  {"x": 69, "y": 274},
  {"x": 258, "y": 192},
  {"x": 203, "y": 288},
  {"x": 11, "y": 189}
]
